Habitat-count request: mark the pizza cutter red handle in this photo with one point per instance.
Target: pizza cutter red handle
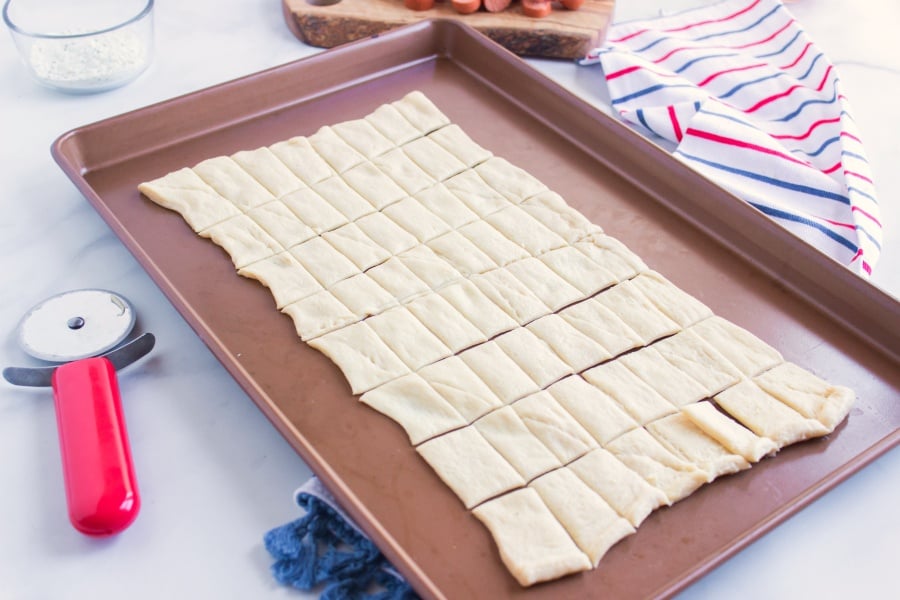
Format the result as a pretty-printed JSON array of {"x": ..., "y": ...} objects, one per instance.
[{"x": 101, "y": 489}]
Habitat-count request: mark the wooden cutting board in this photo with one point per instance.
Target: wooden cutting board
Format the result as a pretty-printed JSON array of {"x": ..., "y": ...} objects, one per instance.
[{"x": 563, "y": 34}]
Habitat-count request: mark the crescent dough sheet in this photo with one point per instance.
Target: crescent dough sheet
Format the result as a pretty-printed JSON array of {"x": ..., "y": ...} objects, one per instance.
[
  {"x": 557, "y": 385},
  {"x": 766, "y": 416},
  {"x": 444, "y": 203},
  {"x": 470, "y": 466},
  {"x": 267, "y": 169},
  {"x": 362, "y": 357},
  {"x": 623, "y": 489},
  {"x": 679, "y": 435},
  {"x": 473, "y": 304},
  {"x": 232, "y": 182},
  {"x": 577, "y": 350},
  {"x": 534, "y": 356},
  {"x": 674, "y": 477},
  {"x": 461, "y": 387},
  {"x": 184, "y": 192},
  {"x": 555, "y": 427},
  {"x": 587, "y": 517},
  {"x": 809, "y": 395},
  {"x": 594, "y": 410},
  {"x": 532, "y": 543},
  {"x": 415, "y": 406},
  {"x": 731, "y": 434},
  {"x": 286, "y": 278},
  {"x": 509, "y": 435}
]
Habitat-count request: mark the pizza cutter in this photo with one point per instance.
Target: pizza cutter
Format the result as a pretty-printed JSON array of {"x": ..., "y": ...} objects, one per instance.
[{"x": 81, "y": 329}]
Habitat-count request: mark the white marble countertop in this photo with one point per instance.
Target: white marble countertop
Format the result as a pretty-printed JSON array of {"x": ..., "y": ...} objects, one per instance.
[{"x": 214, "y": 473}]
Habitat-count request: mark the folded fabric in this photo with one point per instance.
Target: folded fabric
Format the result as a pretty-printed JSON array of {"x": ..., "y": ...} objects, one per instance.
[
  {"x": 326, "y": 549},
  {"x": 749, "y": 101}
]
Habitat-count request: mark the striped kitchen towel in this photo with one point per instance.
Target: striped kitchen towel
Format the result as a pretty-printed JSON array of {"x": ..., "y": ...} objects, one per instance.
[{"x": 745, "y": 97}]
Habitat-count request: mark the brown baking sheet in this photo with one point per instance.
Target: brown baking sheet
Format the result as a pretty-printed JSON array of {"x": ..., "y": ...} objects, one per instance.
[{"x": 736, "y": 261}]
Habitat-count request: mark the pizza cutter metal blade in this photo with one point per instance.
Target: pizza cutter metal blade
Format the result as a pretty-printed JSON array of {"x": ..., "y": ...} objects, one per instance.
[{"x": 76, "y": 328}]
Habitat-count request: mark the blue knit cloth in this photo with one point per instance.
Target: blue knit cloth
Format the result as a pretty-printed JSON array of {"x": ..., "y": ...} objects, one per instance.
[{"x": 324, "y": 548}]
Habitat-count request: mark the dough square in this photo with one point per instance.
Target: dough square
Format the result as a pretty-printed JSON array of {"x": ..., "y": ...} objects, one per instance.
[
  {"x": 444, "y": 203},
  {"x": 314, "y": 211},
  {"x": 433, "y": 159},
  {"x": 244, "y": 240},
  {"x": 728, "y": 432},
  {"x": 525, "y": 230},
  {"x": 363, "y": 137},
  {"x": 267, "y": 169},
  {"x": 612, "y": 255},
  {"x": 421, "y": 112},
  {"x": 602, "y": 325},
  {"x": 458, "y": 251},
  {"x": 404, "y": 171},
  {"x": 684, "y": 439},
  {"x": 674, "y": 477},
  {"x": 475, "y": 306},
  {"x": 429, "y": 267},
  {"x": 637, "y": 398},
  {"x": 351, "y": 241},
  {"x": 590, "y": 521},
  {"x": 302, "y": 159},
  {"x": 324, "y": 261},
  {"x": 371, "y": 183},
  {"x": 392, "y": 124},
  {"x": 336, "y": 192},
  {"x": 469, "y": 465},
  {"x": 416, "y": 219},
  {"x": 637, "y": 311},
  {"x": 669, "y": 381},
  {"x": 552, "y": 210},
  {"x": 317, "y": 314},
  {"x": 553, "y": 291},
  {"x": 493, "y": 243},
  {"x": 505, "y": 378},
  {"x": 415, "y": 406},
  {"x": 475, "y": 193},
  {"x": 511, "y": 181},
  {"x": 511, "y": 295},
  {"x": 455, "y": 141},
  {"x": 766, "y": 416},
  {"x": 336, "y": 152},
  {"x": 281, "y": 223},
  {"x": 623, "y": 489},
  {"x": 387, "y": 234},
  {"x": 554, "y": 426},
  {"x": 744, "y": 350},
  {"x": 444, "y": 321},
  {"x": 534, "y": 356},
  {"x": 286, "y": 278},
  {"x": 703, "y": 363},
  {"x": 362, "y": 295},
  {"x": 408, "y": 338},
  {"x": 232, "y": 182},
  {"x": 600, "y": 415},
  {"x": 460, "y": 387},
  {"x": 532, "y": 543},
  {"x": 184, "y": 192},
  {"x": 509, "y": 435},
  {"x": 398, "y": 280},
  {"x": 578, "y": 270},
  {"x": 674, "y": 302},
  {"x": 363, "y": 358},
  {"x": 575, "y": 348},
  {"x": 806, "y": 393}
]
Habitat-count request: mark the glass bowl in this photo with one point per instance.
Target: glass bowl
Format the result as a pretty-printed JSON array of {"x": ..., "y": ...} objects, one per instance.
[{"x": 82, "y": 46}]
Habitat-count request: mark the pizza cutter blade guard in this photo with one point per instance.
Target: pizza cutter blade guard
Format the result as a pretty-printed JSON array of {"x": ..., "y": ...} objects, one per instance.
[{"x": 81, "y": 330}]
